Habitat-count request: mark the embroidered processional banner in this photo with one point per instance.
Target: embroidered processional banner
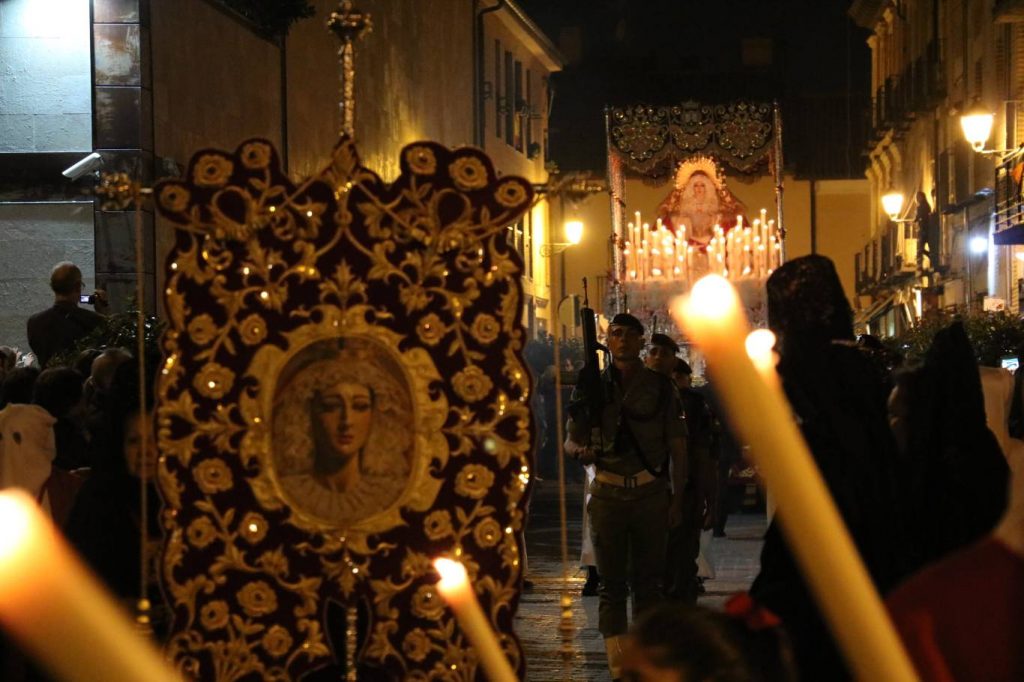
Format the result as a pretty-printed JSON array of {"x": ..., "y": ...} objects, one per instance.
[{"x": 342, "y": 399}]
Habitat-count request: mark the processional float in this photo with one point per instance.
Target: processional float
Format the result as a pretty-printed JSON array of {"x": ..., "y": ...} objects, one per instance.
[{"x": 700, "y": 226}]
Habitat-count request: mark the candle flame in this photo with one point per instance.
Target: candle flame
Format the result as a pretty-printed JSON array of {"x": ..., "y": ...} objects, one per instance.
[
  {"x": 453, "y": 574},
  {"x": 760, "y": 345},
  {"x": 15, "y": 523},
  {"x": 710, "y": 297}
]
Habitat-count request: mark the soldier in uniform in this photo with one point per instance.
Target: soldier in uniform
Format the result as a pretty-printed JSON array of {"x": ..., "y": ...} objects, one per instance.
[
  {"x": 637, "y": 431},
  {"x": 700, "y": 492}
]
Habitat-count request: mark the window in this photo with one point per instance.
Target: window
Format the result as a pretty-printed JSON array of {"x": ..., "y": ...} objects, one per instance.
[
  {"x": 518, "y": 104},
  {"x": 528, "y": 245},
  {"x": 509, "y": 103},
  {"x": 516, "y": 236},
  {"x": 528, "y": 121},
  {"x": 497, "y": 89}
]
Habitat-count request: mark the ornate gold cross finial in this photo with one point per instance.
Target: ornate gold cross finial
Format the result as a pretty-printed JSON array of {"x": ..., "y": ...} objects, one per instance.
[{"x": 348, "y": 24}]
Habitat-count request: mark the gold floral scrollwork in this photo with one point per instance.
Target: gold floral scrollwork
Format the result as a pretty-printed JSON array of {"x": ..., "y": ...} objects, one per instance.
[
  {"x": 287, "y": 301},
  {"x": 651, "y": 140}
]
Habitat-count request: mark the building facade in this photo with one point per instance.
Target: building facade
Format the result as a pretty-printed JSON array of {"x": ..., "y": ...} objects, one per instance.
[
  {"x": 146, "y": 83},
  {"x": 932, "y": 62},
  {"x": 513, "y": 100}
]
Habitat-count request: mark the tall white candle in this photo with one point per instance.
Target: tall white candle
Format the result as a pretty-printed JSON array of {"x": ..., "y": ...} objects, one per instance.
[
  {"x": 58, "y": 611},
  {"x": 458, "y": 593},
  {"x": 712, "y": 317}
]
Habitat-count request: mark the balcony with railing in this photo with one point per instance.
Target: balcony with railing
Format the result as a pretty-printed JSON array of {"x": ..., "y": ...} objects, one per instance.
[
  {"x": 920, "y": 87},
  {"x": 1009, "y": 197},
  {"x": 888, "y": 261}
]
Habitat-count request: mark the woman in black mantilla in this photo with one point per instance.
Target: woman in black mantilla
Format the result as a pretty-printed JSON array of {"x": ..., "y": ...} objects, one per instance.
[
  {"x": 105, "y": 522},
  {"x": 839, "y": 395}
]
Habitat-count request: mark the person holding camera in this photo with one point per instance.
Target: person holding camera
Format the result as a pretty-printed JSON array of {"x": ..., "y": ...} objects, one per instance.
[
  {"x": 633, "y": 432},
  {"x": 57, "y": 329}
]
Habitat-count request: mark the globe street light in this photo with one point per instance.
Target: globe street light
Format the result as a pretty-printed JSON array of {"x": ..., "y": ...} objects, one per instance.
[
  {"x": 976, "y": 123},
  {"x": 573, "y": 231},
  {"x": 892, "y": 202}
]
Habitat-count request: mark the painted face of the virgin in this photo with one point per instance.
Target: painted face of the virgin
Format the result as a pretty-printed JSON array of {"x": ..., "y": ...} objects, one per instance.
[
  {"x": 701, "y": 190},
  {"x": 345, "y": 412}
]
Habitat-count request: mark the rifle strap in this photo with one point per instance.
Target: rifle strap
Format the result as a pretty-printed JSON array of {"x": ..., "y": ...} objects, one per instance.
[{"x": 628, "y": 432}]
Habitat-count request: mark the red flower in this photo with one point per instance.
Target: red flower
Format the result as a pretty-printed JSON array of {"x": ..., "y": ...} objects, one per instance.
[{"x": 742, "y": 607}]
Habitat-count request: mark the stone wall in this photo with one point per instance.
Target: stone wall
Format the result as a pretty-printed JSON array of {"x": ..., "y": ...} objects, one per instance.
[
  {"x": 45, "y": 99},
  {"x": 227, "y": 85},
  {"x": 45, "y": 109},
  {"x": 33, "y": 238},
  {"x": 414, "y": 77},
  {"x": 215, "y": 82}
]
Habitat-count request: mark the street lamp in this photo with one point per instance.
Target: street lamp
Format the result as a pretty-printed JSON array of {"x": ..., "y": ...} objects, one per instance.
[
  {"x": 976, "y": 123},
  {"x": 573, "y": 230},
  {"x": 892, "y": 203},
  {"x": 979, "y": 245}
]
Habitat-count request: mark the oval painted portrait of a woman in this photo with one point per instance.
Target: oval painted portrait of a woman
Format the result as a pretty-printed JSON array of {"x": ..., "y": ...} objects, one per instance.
[{"x": 343, "y": 430}]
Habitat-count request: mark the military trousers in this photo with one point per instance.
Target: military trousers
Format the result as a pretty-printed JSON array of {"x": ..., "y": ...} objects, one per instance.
[{"x": 629, "y": 529}]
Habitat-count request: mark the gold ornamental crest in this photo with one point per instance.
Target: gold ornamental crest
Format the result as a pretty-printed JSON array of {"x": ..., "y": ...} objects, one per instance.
[{"x": 342, "y": 399}]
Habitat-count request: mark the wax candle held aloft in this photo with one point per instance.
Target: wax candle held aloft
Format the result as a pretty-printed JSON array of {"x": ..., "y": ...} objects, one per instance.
[
  {"x": 714, "y": 320},
  {"x": 760, "y": 346},
  {"x": 58, "y": 611},
  {"x": 456, "y": 590}
]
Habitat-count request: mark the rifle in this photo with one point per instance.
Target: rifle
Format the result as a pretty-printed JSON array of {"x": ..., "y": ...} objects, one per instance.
[{"x": 589, "y": 378}]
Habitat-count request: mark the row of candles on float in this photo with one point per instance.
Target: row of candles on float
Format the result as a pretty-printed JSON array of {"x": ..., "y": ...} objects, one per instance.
[{"x": 656, "y": 253}]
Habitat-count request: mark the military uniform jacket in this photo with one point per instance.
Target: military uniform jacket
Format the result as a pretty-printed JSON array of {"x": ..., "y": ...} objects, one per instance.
[{"x": 636, "y": 423}]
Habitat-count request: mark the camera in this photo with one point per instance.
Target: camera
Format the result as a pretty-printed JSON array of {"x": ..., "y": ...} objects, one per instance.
[
  {"x": 90, "y": 163},
  {"x": 86, "y": 298}
]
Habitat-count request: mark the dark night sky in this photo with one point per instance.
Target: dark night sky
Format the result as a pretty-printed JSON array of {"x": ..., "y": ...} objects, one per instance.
[{"x": 808, "y": 54}]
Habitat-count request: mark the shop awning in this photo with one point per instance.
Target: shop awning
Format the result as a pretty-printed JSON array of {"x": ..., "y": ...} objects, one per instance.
[
  {"x": 1009, "y": 236},
  {"x": 874, "y": 310}
]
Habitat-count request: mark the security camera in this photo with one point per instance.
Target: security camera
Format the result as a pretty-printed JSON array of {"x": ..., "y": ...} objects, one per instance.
[{"x": 87, "y": 165}]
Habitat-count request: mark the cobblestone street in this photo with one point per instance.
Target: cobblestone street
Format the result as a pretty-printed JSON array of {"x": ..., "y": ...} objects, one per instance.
[{"x": 735, "y": 558}]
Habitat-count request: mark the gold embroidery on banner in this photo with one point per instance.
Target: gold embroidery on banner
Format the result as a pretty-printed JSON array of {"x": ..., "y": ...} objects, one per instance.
[{"x": 283, "y": 298}]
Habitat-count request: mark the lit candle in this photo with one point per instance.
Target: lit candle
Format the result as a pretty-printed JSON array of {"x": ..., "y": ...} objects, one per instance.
[
  {"x": 58, "y": 611},
  {"x": 645, "y": 239},
  {"x": 712, "y": 317},
  {"x": 455, "y": 588},
  {"x": 634, "y": 243},
  {"x": 760, "y": 348}
]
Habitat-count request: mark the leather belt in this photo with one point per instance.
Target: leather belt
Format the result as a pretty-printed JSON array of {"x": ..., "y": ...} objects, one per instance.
[{"x": 642, "y": 478}]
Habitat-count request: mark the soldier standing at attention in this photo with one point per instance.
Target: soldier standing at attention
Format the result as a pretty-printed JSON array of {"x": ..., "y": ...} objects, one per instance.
[{"x": 637, "y": 431}]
